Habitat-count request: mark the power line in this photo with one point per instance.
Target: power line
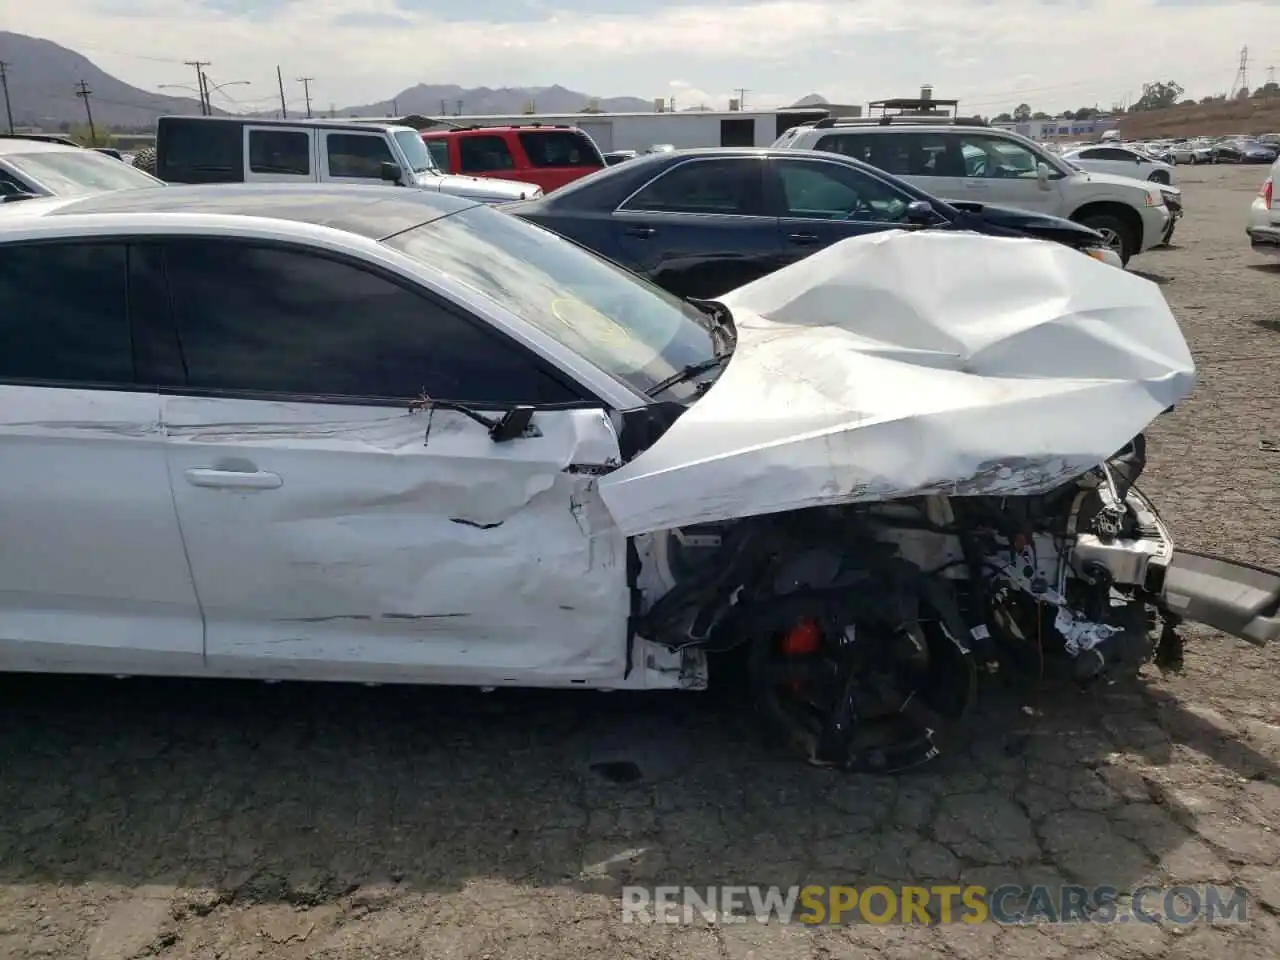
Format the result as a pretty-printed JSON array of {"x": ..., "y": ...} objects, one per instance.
[
  {"x": 4, "y": 82},
  {"x": 742, "y": 97},
  {"x": 306, "y": 91},
  {"x": 83, "y": 92}
]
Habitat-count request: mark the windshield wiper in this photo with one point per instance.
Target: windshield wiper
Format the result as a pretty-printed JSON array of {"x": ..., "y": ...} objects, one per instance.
[{"x": 688, "y": 373}]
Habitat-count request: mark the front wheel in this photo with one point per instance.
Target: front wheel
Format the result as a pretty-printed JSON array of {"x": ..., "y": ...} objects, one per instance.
[
  {"x": 1160, "y": 177},
  {"x": 1118, "y": 235}
]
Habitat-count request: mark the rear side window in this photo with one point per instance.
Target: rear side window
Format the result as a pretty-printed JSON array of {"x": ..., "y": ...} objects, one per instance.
[
  {"x": 484, "y": 154},
  {"x": 63, "y": 313},
  {"x": 280, "y": 151},
  {"x": 561, "y": 148},
  {"x": 901, "y": 154},
  {"x": 199, "y": 151},
  {"x": 264, "y": 319},
  {"x": 704, "y": 186},
  {"x": 357, "y": 155}
]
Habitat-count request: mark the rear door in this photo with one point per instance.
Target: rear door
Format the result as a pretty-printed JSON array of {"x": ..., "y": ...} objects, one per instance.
[
  {"x": 557, "y": 157},
  {"x": 278, "y": 154},
  {"x": 930, "y": 160},
  {"x": 700, "y": 228},
  {"x": 347, "y": 157},
  {"x": 820, "y": 202},
  {"x": 489, "y": 155},
  {"x": 93, "y": 574}
]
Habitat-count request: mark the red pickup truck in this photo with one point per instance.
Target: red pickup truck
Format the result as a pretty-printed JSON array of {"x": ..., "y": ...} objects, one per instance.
[{"x": 549, "y": 156}]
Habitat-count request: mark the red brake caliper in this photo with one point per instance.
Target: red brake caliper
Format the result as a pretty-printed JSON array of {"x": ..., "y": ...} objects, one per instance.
[{"x": 802, "y": 640}]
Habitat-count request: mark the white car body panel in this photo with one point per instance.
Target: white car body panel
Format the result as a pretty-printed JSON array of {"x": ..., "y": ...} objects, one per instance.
[
  {"x": 330, "y": 541},
  {"x": 93, "y": 569},
  {"x": 1020, "y": 365}
]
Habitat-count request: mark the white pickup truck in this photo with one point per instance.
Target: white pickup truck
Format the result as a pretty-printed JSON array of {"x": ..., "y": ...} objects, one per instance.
[{"x": 245, "y": 150}]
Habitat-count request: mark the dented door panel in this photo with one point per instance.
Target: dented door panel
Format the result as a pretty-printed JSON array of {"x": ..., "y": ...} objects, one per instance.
[
  {"x": 1237, "y": 598},
  {"x": 372, "y": 543}
]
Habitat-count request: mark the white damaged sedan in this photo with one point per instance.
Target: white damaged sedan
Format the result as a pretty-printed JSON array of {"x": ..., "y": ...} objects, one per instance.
[{"x": 350, "y": 434}]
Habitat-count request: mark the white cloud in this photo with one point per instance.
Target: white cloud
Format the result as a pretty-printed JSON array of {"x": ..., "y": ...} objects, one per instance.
[{"x": 989, "y": 53}]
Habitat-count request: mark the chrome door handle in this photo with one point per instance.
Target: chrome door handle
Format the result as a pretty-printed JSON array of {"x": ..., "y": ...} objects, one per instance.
[{"x": 233, "y": 479}]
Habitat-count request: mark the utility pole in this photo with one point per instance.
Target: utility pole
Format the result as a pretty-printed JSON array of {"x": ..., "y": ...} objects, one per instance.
[
  {"x": 742, "y": 97},
  {"x": 306, "y": 90},
  {"x": 199, "y": 68},
  {"x": 4, "y": 82},
  {"x": 284, "y": 107},
  {"x": 83, "y": 92},
  {"x": 395, "y": 106}
]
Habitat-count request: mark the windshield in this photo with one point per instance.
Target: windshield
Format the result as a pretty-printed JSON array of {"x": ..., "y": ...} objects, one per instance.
[
  {"x": 415, "y": 151},
  {"x": 76, "y": 173},
  {"x": 622, "y": 324}
]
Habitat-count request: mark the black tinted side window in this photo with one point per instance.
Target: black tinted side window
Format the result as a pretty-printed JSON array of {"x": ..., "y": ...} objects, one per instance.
[
  {"x": 704, "y": 186},
  {"x": 199, "y": 151},
  {"x": 280, "y": 151},
  {"x": 357, "y": 155},
  {"x": 63, "y": 313},
  {"x": 485, "y": 154},
  {"x": 560, "y": 148},
  {"x": 257, "y": 318}
]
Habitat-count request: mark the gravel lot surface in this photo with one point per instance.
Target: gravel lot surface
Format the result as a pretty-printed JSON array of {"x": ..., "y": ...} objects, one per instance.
[{"x": 231, "y": 820}]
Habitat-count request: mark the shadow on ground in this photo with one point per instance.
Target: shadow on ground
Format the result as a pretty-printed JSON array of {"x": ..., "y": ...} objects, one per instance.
[{"x": 301, "y": 794}]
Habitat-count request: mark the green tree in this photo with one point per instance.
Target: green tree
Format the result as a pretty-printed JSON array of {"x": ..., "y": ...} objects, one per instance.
[
  {"x": 1002, "y": 118},
  {"x": 1022, "y": 112},
  {"x": 1158, "y": 95},
  {"x": 1040, "y": 115}
]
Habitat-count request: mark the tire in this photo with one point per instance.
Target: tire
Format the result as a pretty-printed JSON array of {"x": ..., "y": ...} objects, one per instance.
[
  {"x": 145, "y": 160},
  {"x": 1160, "y": 177},
  {"x": 1121, "y": 237}
]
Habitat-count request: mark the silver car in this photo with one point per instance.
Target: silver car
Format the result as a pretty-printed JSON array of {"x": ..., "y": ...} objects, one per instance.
[
  {"x": 44, "y": 169},
  {"x": 1264, "y": 219}
]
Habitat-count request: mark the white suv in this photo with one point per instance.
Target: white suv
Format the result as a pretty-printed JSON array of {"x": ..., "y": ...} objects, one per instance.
[{"x": 969, "y": 162}]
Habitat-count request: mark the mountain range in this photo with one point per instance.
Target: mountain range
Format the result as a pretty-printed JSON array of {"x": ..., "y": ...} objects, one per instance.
[{"x": 43, "y": 76}]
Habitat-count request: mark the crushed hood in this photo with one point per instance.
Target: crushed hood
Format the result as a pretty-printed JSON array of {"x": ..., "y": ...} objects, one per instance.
[{"x": 906, "y": 363}]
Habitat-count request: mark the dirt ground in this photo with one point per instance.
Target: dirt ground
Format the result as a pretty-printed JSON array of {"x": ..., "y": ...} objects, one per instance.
[{"x": 221, "y": 820}]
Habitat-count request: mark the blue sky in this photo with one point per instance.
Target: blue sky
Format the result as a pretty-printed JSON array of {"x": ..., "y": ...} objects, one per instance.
[{"x": 992, "y": 54}]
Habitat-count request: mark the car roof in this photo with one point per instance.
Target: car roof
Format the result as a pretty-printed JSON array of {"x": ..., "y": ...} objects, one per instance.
[
  {"x": 329, "y": 123},
  {"x": 10, "y": 145},
  {"x": 505, "y": 128},
  {"x": 374, "y": 212}
]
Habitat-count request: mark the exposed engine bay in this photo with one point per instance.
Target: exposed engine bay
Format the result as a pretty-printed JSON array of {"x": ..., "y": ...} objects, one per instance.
[{"x": 866, "y": 628}]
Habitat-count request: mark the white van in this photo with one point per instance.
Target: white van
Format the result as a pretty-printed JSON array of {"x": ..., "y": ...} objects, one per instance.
[{"x": 245, "y": 150}]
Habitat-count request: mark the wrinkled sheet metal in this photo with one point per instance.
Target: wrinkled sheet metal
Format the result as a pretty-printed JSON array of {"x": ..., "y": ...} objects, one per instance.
[
  {"x": 905, "y": 363},
  {"x": 401, "y": 546}
]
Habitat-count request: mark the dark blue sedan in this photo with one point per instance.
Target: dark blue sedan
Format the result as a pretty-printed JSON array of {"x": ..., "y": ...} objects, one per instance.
[{"x": 702, "y": 222}]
